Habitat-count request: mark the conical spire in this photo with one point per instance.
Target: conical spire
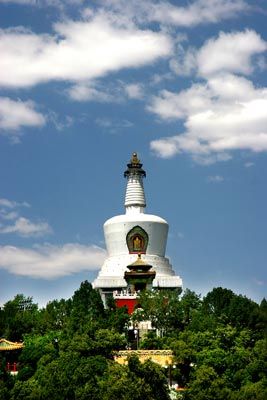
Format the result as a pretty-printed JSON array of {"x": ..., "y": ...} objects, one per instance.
[{"x": 135, "y": 196}]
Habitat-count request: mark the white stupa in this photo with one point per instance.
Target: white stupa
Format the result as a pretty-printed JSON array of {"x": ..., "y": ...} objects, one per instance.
[{"x": 135, "y": 233}]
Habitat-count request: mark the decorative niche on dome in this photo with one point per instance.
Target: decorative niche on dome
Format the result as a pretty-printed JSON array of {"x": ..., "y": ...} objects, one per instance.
[{"x": 137, "y": 240}]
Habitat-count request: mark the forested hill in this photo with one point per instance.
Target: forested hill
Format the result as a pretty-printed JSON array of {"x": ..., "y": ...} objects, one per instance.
[{"x": 219, "y": 344}]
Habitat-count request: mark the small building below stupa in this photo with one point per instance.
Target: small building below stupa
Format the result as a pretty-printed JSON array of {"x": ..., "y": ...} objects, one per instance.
[{"x": 10, "y": 352}]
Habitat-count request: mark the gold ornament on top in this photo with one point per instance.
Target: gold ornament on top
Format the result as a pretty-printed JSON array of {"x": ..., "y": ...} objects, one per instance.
[{"x": 135, "y": 159}]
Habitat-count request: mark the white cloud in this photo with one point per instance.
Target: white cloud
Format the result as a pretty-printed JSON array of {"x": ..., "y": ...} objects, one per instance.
[
  {"x": 215, "y": 178},
  {"x": 165, "y": 147},
  {"x": 112, "y": 125},
  {"x": 242, "y": 127},
  {"x": 115, "y": 92},
  {"x": 58, "y": 122},
  {"x": 169, "y": 105},
  {"x": 158, "y": 78},
  {"x": 259, "y": 282},
  {"x": 30, "y": 2},
  {"x": 10, "y": 211},
  {"x": 163, "y": 12},
  {"x": 222, "y": 115},
  {"x": 195, "y": 13},
  {"x": 230, "y": 52},
  {"x": 9, "y": 216},
  {"x": 43, "y": 3},
  {"x": 26, "y": 228},
  {"x": 12, "y": 204},
  {"x": 78, "y": 51},
  {"x": 17, "y": 114},
  {"x": 249, "y": 164},
  {"x": 8, "y": 203},
  {"x": 49, "y": 261},
  {"x": 232, "y": 88},
  {"x": 90, "y": 92},
  {"x": 185, "y": 62},
  {"x": 134, "y": 91},
  {"x": 224, "y": 112},
  {"x": 215, "y": 93}
]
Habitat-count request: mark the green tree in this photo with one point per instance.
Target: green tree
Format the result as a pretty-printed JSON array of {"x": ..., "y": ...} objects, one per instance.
[
  {"x": 27, "y": 390},
  {"x": 55, "y": 315},
  {"x": 18, "y": 317},
  {"x": 219, "y": 345},
  {"x": 117, "y": 318},
  {"x": 35, "y": 347},
  {"x": 207, "y": 385},
  {"x": 87, "y": 306},
  {"x": 227, "y": 307},
  {"x": 261, "y": 323},
  {"x": 151, "y": 341},
  {"x": 6, "y": 380},
  {"x": 190, "y": 304},
  {"x": 162, "y": 308},
  {"x": 217, "y": 303},
  {"x": 184, "y": 351},
  {"x": 136, "y": 382},
  {"x": 252, "y": 391}
]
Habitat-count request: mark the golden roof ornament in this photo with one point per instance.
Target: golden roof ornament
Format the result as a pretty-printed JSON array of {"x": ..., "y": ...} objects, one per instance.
[
  {"x": 139, "y": 265},
  {"x": 138, "y": 261},
  {"x": 135, "y": 159},
  {"x": 134, "y": 167}
]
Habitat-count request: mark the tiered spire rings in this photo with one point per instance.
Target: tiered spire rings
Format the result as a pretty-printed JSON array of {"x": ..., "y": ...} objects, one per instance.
[{"x": 135, "y": 195}]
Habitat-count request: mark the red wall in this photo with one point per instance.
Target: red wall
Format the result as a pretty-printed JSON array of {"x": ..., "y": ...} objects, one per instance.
[{"x": 129, "y": 303}]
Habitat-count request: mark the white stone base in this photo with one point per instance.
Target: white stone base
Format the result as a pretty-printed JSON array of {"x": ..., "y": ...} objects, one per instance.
[
  {"x": 111, "y": 275},
  {"x": 112, "y": 272}
]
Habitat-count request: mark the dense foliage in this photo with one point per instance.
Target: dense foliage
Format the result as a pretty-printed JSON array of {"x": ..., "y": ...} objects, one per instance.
[{"x": 219, "y": 343}]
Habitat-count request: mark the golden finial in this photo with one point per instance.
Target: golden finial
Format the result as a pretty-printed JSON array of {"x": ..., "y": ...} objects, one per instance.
[
  {"x": 134, "y": 166},
  {"x": 135, "y": 159}
]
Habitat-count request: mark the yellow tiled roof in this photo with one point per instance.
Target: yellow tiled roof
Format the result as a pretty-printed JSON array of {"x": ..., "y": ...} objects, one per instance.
[
  {"x": 161, "y": 357},
  {"x": 7, "y": 345}
]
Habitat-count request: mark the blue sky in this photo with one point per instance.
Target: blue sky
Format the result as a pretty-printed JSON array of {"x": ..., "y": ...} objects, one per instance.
[{"x": 83, "y": 85}]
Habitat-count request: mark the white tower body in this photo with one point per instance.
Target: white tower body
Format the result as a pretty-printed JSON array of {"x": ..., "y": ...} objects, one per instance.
[{"x": 116, "y": 229}]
